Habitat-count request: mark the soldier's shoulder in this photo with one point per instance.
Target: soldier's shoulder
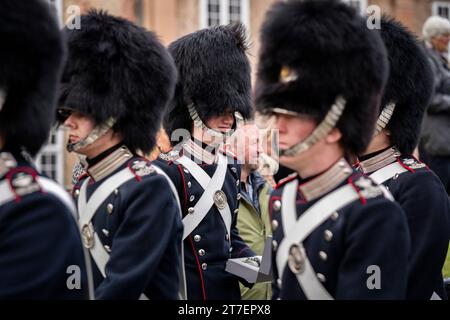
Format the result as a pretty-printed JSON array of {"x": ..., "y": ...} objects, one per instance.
[
  {"x": 412, "y": 164},
  {"x": 170, "y": 157}
]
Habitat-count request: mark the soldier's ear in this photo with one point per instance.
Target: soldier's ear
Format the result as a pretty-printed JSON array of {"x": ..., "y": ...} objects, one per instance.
[{"x": 334, "y": 136}]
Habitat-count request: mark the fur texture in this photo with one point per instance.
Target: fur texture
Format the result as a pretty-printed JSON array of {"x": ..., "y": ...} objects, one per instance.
[
  {"x": 410, "y": 84},
  {"x": 117, "y": 69},
  {"x": 333, "y": 53},
  {"x": 31, "y": 57},
  {"x": 214, "y": 74}
]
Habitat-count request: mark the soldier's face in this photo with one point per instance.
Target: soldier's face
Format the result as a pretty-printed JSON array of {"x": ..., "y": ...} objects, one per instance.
[
  {"x": 293, "y": 130},
  {"x": 79, "y": 125},
  {"x": 223, "y": 123}
]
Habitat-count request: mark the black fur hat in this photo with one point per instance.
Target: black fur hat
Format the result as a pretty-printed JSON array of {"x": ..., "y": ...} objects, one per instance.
[
  {"x": 214, "y": 74},
  {"x": 117, "y": 69},
  {"x": 410, "y": 84},
  {"x": 314, "y": 51},
  {"x": 31, "y": 58}
]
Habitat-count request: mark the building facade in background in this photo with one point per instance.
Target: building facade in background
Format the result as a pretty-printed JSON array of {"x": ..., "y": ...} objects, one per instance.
[{"x": 171, "y": 19}]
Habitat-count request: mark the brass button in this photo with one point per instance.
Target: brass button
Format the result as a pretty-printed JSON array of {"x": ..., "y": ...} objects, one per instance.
[
  {"x": 321, "y": 277},
  {"x": 110, "y": 208},
  {"x": 323, "y": 256},
  {"x": 335, "y": 216},
  {"x": 274, "y": 225},
  {"x": 201, "y": 252},
  {"x": 274, "y": 245},
  {"x": 277, "y": 205},
  {"x": 328, "y": 235},
  {"x": 197, "y": 238},
  {"x": 191, "y": 210}
]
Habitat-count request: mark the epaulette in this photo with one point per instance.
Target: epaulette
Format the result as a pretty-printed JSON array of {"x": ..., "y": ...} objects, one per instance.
[
  {"x": 289, "y": 178},
  {"x": 141, "y": 168},
  {"x": 412, "y": 163},
  {"x": 366, "y": 188},
  {"x": 171, "y": 156},
  {"x": 78, "y": 171},
  {"x": 22, "y": 181}
]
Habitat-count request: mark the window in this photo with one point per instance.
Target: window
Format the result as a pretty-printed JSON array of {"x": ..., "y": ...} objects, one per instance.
[
  {"x": 51, "y": 159},
  {"x": 441, "y": 8},
  {"x": 360, "y": 5},
  {"x": 220, "y": 12}
]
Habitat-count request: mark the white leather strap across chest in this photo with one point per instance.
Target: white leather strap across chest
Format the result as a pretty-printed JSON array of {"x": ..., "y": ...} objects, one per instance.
[
  {"x": 297, "y": 230},
  {"x": 211, "y": 186}
]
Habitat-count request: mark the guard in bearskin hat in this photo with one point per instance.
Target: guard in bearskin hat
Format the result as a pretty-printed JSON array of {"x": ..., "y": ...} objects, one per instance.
[
  {"x": 115, "y": 87},
  {"x": 40, "y": 238},
  {"x": 337, "y": 235},
  {"x": 212, "y": 98},
  {"x": 389, "y": 161}
]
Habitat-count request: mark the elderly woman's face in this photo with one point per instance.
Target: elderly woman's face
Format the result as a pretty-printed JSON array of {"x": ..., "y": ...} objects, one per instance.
[{"x": 440, "y": 43}]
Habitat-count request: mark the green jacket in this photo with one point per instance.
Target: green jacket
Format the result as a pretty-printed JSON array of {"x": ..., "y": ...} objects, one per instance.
[{"x": 254, "y": 228}]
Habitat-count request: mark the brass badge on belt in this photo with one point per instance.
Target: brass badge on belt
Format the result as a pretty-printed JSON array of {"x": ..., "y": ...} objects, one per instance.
[
  {"x": 296, "y": 259},
  {"x": 220, "y": 199},
  {"x": 87, "y": 235}
]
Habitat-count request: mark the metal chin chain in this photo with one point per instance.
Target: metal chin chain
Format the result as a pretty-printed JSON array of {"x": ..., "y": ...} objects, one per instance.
[
  {"x": 384, "y": 118},
  {"x": 99, "y": 131},
  {"x": 198, "y": 123},
  {"x": 322, "y": 130}
]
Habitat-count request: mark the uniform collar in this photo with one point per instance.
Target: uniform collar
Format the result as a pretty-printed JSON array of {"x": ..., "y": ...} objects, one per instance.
[
  {"x": 379, "y": 160},
  {"x": 199, "y": 154},
  {"x": 110, "y": 163},
  {"x": 327, "y": 181}
]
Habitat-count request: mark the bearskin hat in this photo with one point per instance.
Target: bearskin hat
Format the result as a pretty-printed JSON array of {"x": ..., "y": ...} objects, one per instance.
[
  {"x": 214, "y": 75},
  {"x": 118, "y": 70},
  {"x": 409, "y": 87},
  {"x": 31, "y": 57},
  {"x": 314, "y": 51}
]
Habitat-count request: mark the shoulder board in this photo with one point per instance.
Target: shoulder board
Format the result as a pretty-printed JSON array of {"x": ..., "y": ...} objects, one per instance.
[
  {"x": 412, "y": 163},
  {"x": 141, "y": 168},
  {"x": 367, "y": 188},
  {"x": 289, "y": 178},
  {"x": 78, "y": 171},
  {"x": 22, "y": 181},
  {"x": 170, "y": 156}
]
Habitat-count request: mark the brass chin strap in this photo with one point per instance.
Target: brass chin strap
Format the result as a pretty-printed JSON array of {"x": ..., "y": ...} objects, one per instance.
[
  {"x": 98, "y": 132},
  {"x": 198, "y": 123},
  {"x": 323, "y": 129},
  {"x": 384, "y": 118}
]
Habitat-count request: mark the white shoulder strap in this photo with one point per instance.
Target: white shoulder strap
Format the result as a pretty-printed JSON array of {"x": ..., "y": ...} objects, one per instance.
[
  {"x": 297, "y": 230},
  {"x": 210, "y": 186},
  {"x": 183, "y": 288},
  {"x": 386, "y": 173}
]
